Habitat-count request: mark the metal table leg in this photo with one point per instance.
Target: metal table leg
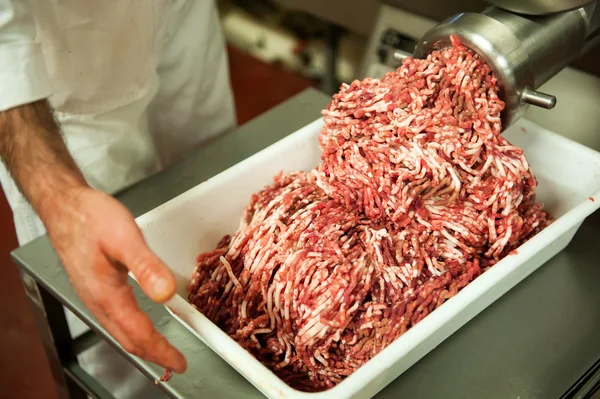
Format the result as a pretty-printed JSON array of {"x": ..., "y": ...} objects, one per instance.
[{"x": 70, "y": 379}]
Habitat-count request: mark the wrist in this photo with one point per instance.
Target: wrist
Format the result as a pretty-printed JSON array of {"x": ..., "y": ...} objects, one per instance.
[{"x": 60, "y": 201}]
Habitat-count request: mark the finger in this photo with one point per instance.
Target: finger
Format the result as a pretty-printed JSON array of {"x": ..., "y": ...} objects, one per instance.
[
  {"x": 117, "y": 333},
  {"x": 146, "y": 341},
  {"x": 153, "y": 276}
]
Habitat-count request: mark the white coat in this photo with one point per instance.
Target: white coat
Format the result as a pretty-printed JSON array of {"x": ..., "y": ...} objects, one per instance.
[{"x": 133, "y": 84}]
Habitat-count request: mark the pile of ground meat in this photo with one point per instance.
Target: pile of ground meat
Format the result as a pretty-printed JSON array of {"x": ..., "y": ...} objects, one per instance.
[{"x": 417, "y": 194}]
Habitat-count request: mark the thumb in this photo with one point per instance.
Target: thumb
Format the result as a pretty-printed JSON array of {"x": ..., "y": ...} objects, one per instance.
[{"x": 153, "y": 276}]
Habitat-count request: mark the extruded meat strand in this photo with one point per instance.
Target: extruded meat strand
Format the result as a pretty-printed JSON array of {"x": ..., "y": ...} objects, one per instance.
[
  {"x": 417, "y": 195},
  {"x": 424, "y": 144}
]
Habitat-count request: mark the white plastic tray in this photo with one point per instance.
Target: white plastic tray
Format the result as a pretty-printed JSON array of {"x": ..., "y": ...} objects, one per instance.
[{"x": 194, "y": 222}]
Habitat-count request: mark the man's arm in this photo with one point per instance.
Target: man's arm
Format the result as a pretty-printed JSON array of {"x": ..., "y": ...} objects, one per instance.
[
  {"x": 37, "y": 157},
  {"x": 95, "y": 237}
]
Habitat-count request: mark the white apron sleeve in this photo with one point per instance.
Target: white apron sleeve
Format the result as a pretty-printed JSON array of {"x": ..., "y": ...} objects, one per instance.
[
  {"x": 23, "y": 75},
  {"x": 194, "y": 101}
]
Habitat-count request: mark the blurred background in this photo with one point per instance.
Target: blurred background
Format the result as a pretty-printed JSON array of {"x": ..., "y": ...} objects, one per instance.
[{"x": 277, "y": 48}]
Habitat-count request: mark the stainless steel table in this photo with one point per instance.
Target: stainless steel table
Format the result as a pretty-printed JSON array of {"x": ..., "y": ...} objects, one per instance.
[{"x": 534, "y": 342}]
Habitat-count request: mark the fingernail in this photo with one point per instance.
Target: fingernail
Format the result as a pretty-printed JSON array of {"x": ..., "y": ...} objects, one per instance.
[{"x": 162, "y": 290}]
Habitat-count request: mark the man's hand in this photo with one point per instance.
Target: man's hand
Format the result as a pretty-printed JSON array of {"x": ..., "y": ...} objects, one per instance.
[
  {"x": 95, "y": 237},
  {"x": 98, "y": 243}
]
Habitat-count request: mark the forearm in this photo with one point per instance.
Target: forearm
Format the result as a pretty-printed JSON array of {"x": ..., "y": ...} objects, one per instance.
[{"x": 35, "y": 154}]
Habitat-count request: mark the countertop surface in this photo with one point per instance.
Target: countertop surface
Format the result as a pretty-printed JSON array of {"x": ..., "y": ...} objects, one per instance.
[{"x": 534, "y": 342}]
